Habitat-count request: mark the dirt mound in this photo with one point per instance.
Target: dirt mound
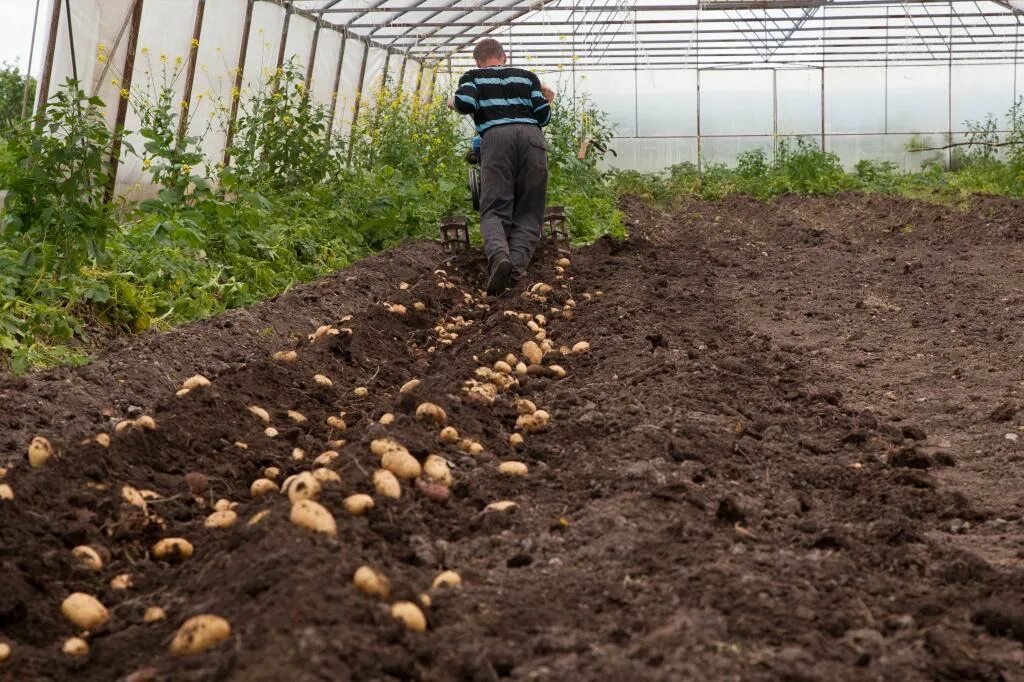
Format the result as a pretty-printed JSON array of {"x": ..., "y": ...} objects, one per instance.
[{"x": 712, "y": 498}]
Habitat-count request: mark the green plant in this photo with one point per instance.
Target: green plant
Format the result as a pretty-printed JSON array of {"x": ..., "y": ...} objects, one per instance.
[
  {"x": 57, "y": 179},
  {"x": 281, "y": 136},
  {"x": 13, "y": 97}
]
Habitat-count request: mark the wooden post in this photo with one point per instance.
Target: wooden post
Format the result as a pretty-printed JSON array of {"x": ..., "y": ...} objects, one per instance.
[
  {"x": 243, "y": 52},
  {"x": 359, "y": 86},
  {"x": 401, "y": 71},
  {"x": 190, "y": 76},
  {"x": 122, "y": 102},
  {"x": 337, "y": 85},
  {"x": 51, "y": 47},
  {"x": 359, "y": 98},
  {"x": 31, "y": 53},
  {"x": 284, "y": 34},
  {"x": 312, "y": 53}
]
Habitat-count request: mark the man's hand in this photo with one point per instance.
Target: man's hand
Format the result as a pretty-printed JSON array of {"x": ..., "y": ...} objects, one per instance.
[
  {"x": 451, "y": 103},
  {"x": 548, "y": 93}
]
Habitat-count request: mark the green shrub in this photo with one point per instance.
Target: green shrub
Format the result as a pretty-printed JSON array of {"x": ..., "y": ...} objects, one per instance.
[{"x": 58, "y": 175}]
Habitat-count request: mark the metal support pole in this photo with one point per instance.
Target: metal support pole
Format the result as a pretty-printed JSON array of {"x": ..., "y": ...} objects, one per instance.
[
  {"x": 700, "y": 146},
  {"x": 885, "y": 72},
  {"x": 433, "y": 84},
  {"x": 28, "y": 71},
  {"x": 775, "y": 114},
  {"x": 312, "y": 54},
  {"x": 384, "y": 71},
  {"x": 51, "y": 47},
  {"x": 71, "y": 41},
  {"x": 284, "y": 44},
  {"x": 949, "y": 95},
  {"x": 401, "y": 72},
  {"x": 122, "y": 102},
  {"x": 236, "y": 93},
  {"x": 359, "y": 84},
  {"x": 823, "y": 50},
  {"x": 572, "y": 22},
  {"x": 190, "y": 76},
  {"x": 419, "y": 83},
  {"x": 359, "y": 99},
  {"x": 337, "y": 85}
]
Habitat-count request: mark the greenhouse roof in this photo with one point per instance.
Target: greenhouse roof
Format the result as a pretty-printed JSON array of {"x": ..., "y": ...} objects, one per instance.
[{"x": 652, "y": 34}]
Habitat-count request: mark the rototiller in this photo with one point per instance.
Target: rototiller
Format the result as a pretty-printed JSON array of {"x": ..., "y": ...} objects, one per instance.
[{"x": 455, "y": 229}]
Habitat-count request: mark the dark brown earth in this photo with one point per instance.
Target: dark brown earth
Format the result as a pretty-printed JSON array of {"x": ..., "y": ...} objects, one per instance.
[{"x": 784, "y": 457}]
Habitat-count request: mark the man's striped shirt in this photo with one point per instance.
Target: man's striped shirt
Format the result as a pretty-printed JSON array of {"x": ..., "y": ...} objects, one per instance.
[{"x": 499, "y": 95}]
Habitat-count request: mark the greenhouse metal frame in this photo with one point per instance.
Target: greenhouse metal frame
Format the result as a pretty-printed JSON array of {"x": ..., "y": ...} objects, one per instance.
[{"x": 784, "y": 63}]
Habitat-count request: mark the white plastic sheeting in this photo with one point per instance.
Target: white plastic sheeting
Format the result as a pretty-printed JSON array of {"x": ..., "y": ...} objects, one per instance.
[
  {"x": 870, "y": 112},
  {"x": 682, "y": 81},
  {"x": 101, "y": 32}
]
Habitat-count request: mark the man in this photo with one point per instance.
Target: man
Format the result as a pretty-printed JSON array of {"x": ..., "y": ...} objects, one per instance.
[{"x": 509, "y": 106}]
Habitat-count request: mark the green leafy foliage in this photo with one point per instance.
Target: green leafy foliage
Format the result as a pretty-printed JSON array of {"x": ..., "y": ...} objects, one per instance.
[
  {"x": 295, "y": 203},
  {"x": 281, "y": 139},
  {"x": 57, "y": 177},
  {"x": 13, "y": 96},
  {"x": 990, "y": 162}
]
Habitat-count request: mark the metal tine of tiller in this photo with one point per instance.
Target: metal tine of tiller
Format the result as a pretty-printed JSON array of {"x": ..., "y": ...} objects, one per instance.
[
  {"x": 454, "y": 235},
  {"x": 557, "y": 228}
]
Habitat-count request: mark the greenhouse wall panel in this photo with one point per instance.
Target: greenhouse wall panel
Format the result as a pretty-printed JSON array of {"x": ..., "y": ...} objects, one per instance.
[
  {"x": 345, "y": 109},
  {"x": 264, "y": 42},
  {"x": 161, "y": 63},
  {"x": 982, "y": 90},
  {"x": 918, "y": 99},
  {"x": 855, "y": 100},
  {"x": 648, "y": 154},
  {"x": 798, "y": 94},
  {"x": 374, "y": 76},
  {"x": 300, "y": 40},
  {"x": 321, "y": 86},
  {"x": 726, "y": 150},
  {"x": 613, "y": 92},
  {"x": 666, "y": 103},
  {"x": 736, "y": 102},
  {"x": 216, "y": 62},
  {"x": 876, "y": 76}
]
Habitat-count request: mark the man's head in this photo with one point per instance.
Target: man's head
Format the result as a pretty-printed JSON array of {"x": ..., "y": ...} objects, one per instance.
[{"x": 489, "y": 52}]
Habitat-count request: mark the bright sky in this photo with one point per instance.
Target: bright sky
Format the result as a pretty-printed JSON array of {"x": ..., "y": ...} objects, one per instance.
[{"x": 16, "y": 31}]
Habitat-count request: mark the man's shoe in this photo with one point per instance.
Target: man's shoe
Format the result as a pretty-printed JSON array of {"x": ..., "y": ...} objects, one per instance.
[{"x": 498, "y": 280}]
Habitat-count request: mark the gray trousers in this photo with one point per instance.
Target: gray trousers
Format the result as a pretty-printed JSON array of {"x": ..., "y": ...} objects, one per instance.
[{"x": 514, "y": 185}]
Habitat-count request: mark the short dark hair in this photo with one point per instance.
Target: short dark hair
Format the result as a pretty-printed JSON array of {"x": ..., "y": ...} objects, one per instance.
[{"x": 488, "y": 48}]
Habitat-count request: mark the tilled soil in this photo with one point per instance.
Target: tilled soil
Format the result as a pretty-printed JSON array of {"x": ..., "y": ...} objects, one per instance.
[{"x": 784, "y": 456}]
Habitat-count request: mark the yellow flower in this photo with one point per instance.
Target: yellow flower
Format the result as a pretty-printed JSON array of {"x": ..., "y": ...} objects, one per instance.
[
  {"x": 195, "y": 42},
  {"x": 163, "y": 58},
  {"x": 102, "y": 59},
  {"x": 146, "y": 163},
  {"x": 186, "y": 169},
  {"x": 115, "y": 82},
  {"x": 145, "y": 51},
  {"x": 184, "y": 104},
  {"x": 177, "y": 61},
  {"x": 125, "y": 93},
  {"x": 235, "y": 92}
]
